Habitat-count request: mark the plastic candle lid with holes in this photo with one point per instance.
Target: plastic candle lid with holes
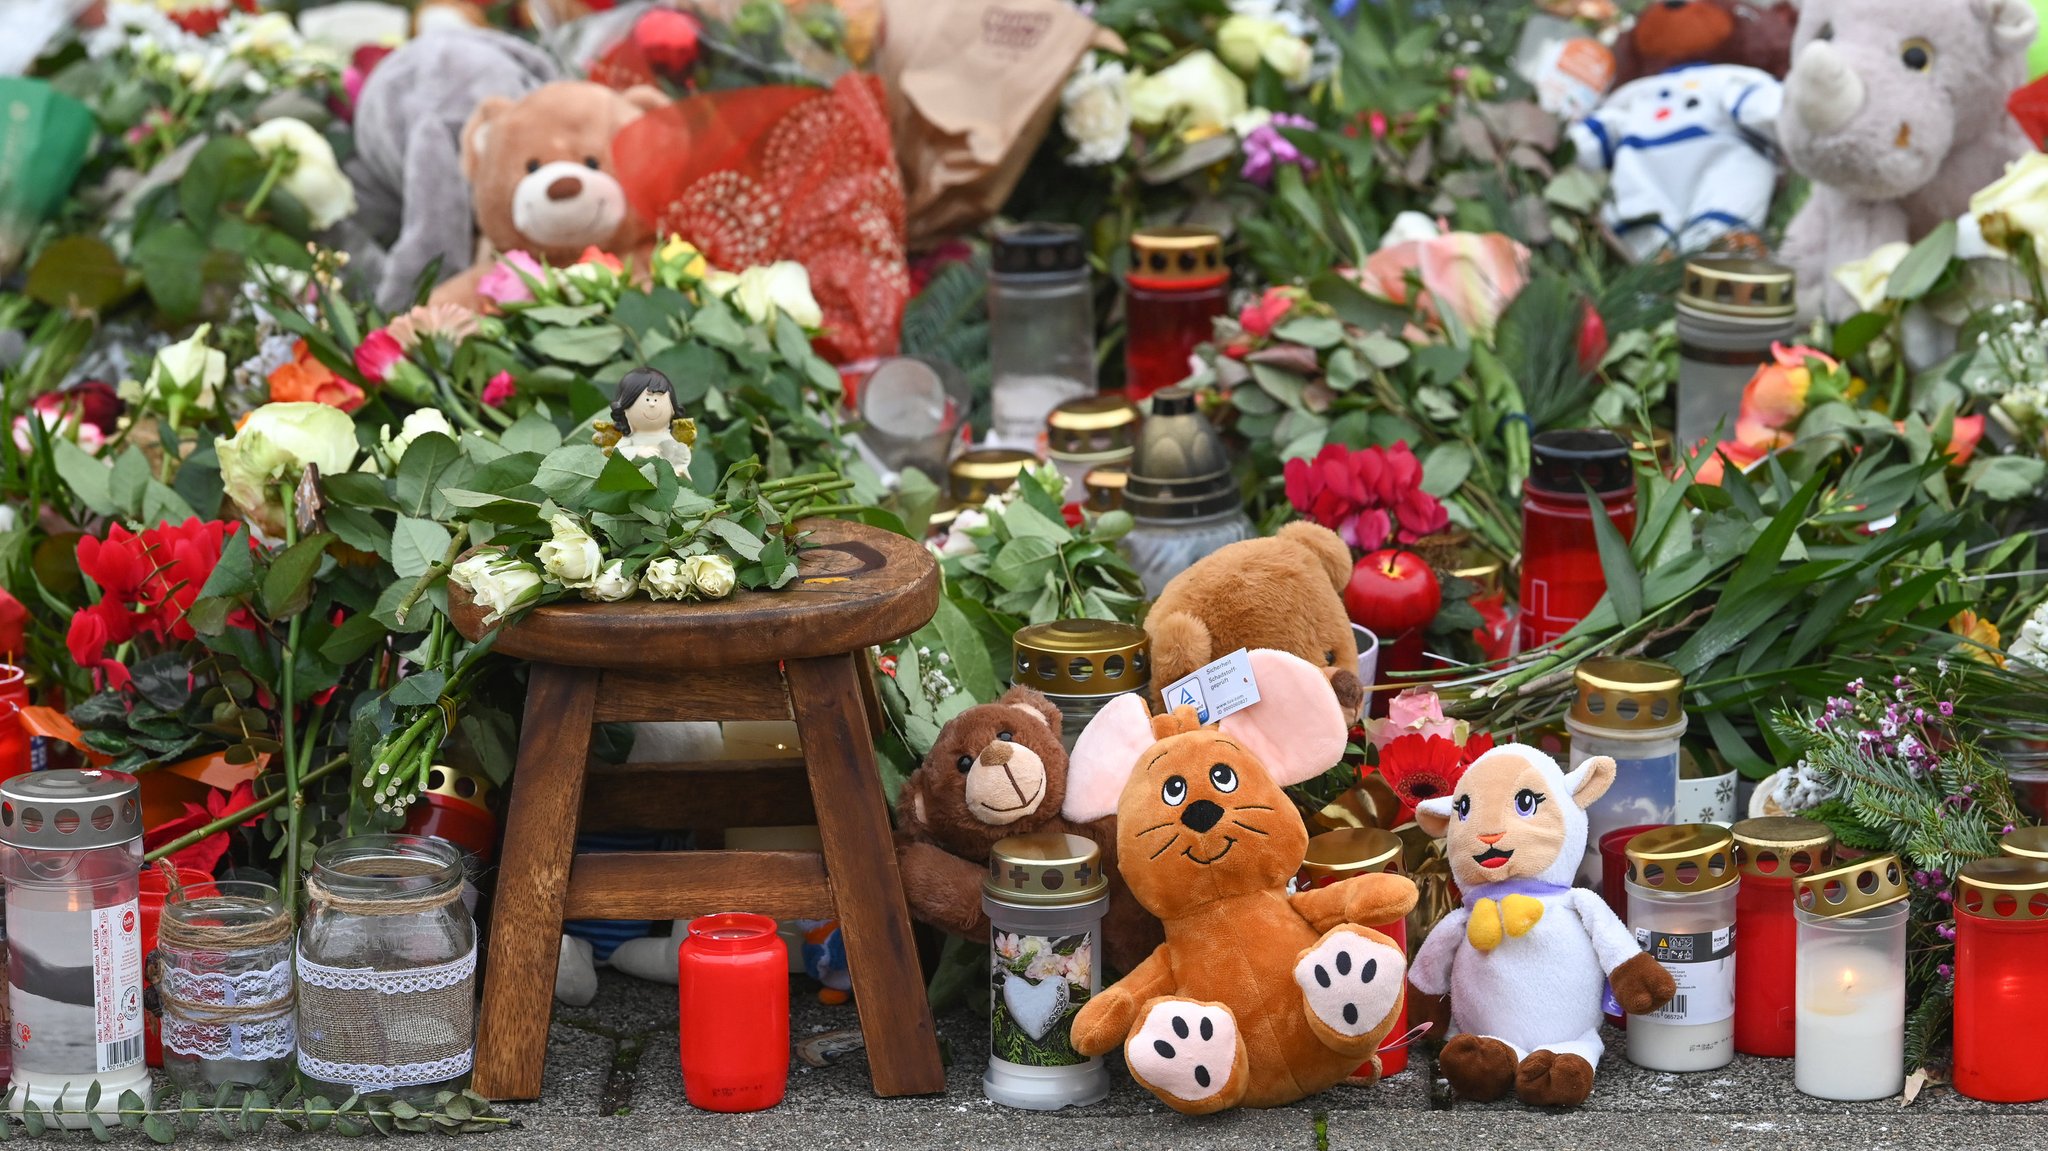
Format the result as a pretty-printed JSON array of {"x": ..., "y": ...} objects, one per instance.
[
  {"x": 1781, "y": 846},
  {"x": 1851, "y": 889},
  {"x": 2026, "y": 843},
  {"x": 1688, "y": 858},
  {"x": 71, "y": 810},
  {"x": 1638, "y": 698}
]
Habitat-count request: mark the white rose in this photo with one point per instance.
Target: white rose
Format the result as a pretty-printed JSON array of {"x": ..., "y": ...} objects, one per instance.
[
  {"x": 611, "y": 585},
  {"x": 2015, "y": 206},
  {"x": 1096, "y": 112},
  {"x": 571, "y": 558},
  {"x": 1197, "y": 87},
  {"x": 711, "y": 576},
  {"x": 417, "y": 424},
  {"x": 783, "y": 286},
  {"x": 267, "y": 34},
  {"x": 464, "y": 574},
  {"x": 959, "y": 539},
  {"x": 313, "y": 176},
  {"x": 666, "y": 579},
  {"x": 277, "y": 443},
  {"x": 187, "y": 374},
  {"x": 1866, "y": 279},
  {"x": 1244, "y": 41},
  {"x": 1409, "y": 227},
  {"x": 503, "y": 586}
]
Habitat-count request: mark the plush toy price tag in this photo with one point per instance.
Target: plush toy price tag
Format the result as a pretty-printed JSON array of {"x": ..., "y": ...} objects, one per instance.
[{"x": 1215, "y": 690}]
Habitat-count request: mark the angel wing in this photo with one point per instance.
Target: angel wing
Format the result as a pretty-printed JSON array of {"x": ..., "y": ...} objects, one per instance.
[
  {"x": 604, "y": 435},
  {"x": 685, "y": 432}
]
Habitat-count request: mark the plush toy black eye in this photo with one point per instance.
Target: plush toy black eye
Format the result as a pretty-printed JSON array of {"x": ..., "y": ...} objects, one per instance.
[
  {"x": 1330, "y": 657},
  {"x": 533, "y": 166},
  {"x": 1175, "y": 792},
  {"x": 1917, "y": 55},
  {"x": 1462, "y": 805},
  {"x": 1527, "y": 801},
  {"x": 1694, "y": 102},
  {"x": 1223, "y": 777},
  {"x": 965, "y": 763},
  {"x": 1827, "y": 32},
  {"x": 1664, "y": 95},
  {"x": 590, "y": 162},
  {"x": 1005, "y": 736}
]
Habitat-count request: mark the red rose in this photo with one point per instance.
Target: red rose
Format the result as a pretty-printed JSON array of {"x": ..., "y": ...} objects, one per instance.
[{"x": 668, "y": 39}]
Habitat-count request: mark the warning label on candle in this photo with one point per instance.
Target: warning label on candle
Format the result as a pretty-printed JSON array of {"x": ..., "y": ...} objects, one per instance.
[{"x": 1702, "y": 964}]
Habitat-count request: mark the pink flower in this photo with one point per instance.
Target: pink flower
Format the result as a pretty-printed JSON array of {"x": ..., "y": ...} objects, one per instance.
[
  {"x": 1377, "y": 122},
  {"x": 1367, "y": 496},
  {"x": 500, "y": 390},
  {"x": 1259, "y": 319},
  {"x": 503, "y": 284},
  {"x": 1416, "y": 711},
  {"x": 377, "y": 355},
  {"x": 1475, "y": 275}
]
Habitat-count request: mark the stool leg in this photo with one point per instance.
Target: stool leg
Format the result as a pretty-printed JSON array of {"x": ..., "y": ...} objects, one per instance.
[
  {"x": 533, "y": 881},
  {"x": 860, "y": 863}
]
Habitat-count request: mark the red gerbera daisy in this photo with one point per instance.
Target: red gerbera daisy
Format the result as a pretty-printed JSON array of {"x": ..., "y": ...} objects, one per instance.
[{"x": 1424, "y": 767}]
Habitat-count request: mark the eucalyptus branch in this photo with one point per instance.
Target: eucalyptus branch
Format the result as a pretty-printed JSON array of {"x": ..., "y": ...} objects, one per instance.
[{"x": 238, "y": 1110}]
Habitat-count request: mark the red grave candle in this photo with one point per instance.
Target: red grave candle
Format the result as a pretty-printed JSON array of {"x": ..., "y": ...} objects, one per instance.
[
  {"x": 14, "y": 738},
  {"x": 1177, "y": 285},
  {"x": 2001, "y": 983},
  {"x": 1338, "y": 855},
  {"x": 1772, "y": 852},
  {"x": 1561, "y": 575},
  {"x": 733, "y": 986}
]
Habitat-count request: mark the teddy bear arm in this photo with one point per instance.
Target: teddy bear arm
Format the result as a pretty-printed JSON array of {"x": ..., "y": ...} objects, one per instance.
[
  {"x": 1613, "y": 944},
  {"x": 1431, "y": 972},
  {"x": 1641, "y": 985},
  {"x": 943, "y": 890},
  {"x": 1106, "y": 1020}
]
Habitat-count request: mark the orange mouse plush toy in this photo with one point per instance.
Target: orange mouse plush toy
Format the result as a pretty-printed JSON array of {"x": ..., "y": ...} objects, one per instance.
[{"x": 1257, "y": 998}]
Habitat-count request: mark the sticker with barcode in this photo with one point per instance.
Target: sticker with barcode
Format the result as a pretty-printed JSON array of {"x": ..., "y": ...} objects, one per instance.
[
  {"x": 117, "y": 985},
  {"x": 120, "y": 1053},
  {"x": 1702, "y": 964}
]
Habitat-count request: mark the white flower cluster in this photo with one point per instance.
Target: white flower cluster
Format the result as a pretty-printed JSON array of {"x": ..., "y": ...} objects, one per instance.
[
  {"x": 2030, "y": 647},
  {"x": 2011, "y": 352},
  {"x": 573, "y": 559},
  {"x": 259, "y": 52},
  {"x": 1801, "y": 788}
]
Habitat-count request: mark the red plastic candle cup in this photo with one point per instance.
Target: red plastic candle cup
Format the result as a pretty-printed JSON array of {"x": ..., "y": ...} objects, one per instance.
[
  {"x": 733, "y": 987},
  {"x": 1338, "y": 855},
  {"x": 1614, "y": 865},
  {"x": 2001, "y": 983},
  {"x": 1177, "y": 285},
  {"x": 1561, "y": 575},
  {"x": 14, "y": 738},
  {"x": 149, "y": 906},
  {"x": 1772, "y": 852}
]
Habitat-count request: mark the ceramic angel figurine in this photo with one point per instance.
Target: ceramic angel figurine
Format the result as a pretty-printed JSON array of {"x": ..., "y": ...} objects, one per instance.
[{"x": 646, "y": 422}]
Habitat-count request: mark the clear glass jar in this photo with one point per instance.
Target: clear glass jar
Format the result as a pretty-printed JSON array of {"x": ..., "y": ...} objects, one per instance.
[
  {"x": 386, "y": 969},
  {"x": 1850, "y": 997},
  {"x": 223, "y": 974},
  {"x": 71, "y": 854},
  {"x": 1730, "y": 312},
  {"x": 1161, "y": 549},
  {"x": 1041, "y": 327},
  {"x": 1682, "y": 884},
  {"x": 1632, "y": 711}
]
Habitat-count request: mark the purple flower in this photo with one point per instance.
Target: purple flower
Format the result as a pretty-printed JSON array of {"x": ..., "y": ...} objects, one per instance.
[
  {"x": 1947, "y": 708},
  {"x": 1946, "y": 971},
  {"x": 1266, "y": 149},
  {"x": 1946, "y": 931}
]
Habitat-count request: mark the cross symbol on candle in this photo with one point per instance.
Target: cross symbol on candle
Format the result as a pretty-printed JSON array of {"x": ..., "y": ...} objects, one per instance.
[
  {"x": 1018, "y": 875},
  {"x": 1082, "y": 873}
]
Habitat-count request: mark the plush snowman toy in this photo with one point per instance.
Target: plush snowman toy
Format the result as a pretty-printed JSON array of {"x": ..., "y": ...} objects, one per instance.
[{"x": 1691, "y": 152}]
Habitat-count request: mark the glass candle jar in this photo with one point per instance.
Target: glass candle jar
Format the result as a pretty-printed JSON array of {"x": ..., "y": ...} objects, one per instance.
[
  {"x": 1105, "y": 488},
  {"x": 1089, "y": 433},
  {"x": 223, "y": 975},
  {"x": 1338, "y": 855},
  {"x": 1632, "y": 711},
  {"x": 1044, "y": 895},
  {"x": 1562, "y": 579},
  {"x": 1176, "y": 287},
  {"x": 1772, "y": 852},
  {"x": 71, "y": 853},
  {"x": 154, "y": 891},
  {"x": 733, "y": 993},
  {"x": 2001, "y": 984},
  {"x": 1181, "y": 493},
  {"x": 1080, "y": 665},
  {"x": 1682, "y": 884},
  {"x": 1730, "y": 312},
  {"x": 1041, "y": 326},
  {"x": 386, "y": 969},
  {"x": 974, "y": 476},
  {"x": 911, "y": 409},
  {"x": 1850, "y": 996}
]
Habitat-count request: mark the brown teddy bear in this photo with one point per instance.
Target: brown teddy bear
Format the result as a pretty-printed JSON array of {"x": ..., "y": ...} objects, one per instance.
[
  {"x": 1674, "y": 33},
  {"x": 1283, "y": 593},
  {"x": 540, "y": 168},
  {"x": 999, "y": 770}
]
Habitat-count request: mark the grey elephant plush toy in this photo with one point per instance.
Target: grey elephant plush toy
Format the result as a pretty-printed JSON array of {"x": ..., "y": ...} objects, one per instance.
[
  {"x": 1895, "y": 110},
  {"x": 415, "y": 204}
]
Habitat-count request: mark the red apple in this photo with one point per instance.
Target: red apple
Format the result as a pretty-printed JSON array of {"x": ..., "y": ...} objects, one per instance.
[{"x": 1393, "y": 593}]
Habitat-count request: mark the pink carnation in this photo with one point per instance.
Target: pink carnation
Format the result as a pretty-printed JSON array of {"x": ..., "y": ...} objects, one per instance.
[
  {"x": 377, "y": 355},
  {"x": 500, "y": 390},
  {"x": 503, "y": 284}
]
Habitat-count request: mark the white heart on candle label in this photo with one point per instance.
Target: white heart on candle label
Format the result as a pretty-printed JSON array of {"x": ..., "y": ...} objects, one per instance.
[{"x": 1035, "y": 1007}]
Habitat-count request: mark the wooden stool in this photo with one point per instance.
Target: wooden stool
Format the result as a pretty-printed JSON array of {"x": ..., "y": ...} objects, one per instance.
[{"x": 799, "y": 652}]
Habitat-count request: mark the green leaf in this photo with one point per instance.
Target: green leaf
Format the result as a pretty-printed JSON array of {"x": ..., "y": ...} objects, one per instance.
[
  {"x": 417, "y": 545},
  {"x": 419, "y": 473},
  {"x": 569, "y": 472},
  {"x": 532, "y": 432},
  {"x": 125, "y": 482},
  {"x": 92, "y": 1095},
  {"x": 78, "y": 273},
  {"x": 790, "y": 342},
  {"x": 358, "y": 489},
  {"x": 161, "y": 503},
  {"x": 288, "y": 585},
  {"x": 584, "y": 347},
  {"x": 561, "y": 315},
  {"x": 356, "y": 636},
  {"x": 1022, "y": 520},
  {"x": 226, "y": 169},
  {"x": 1624, "y": 582},
  {"x": 1924, "y": 265},
  {"x": 1354, "y": 306},
  {"x": 744, "y": 543},
  {"x": 420, "y": 689},
  {"x": 2001, "y": 478},
  {"x": 1317, "y": 332},
  {"x": 234, "y": 577},
  {"x": 621, "y": 474},
  {"x": 1854, "y": 335},
  {"x": 158, "y": 1129},
  {"x": 173, "y": 260},
  {"x": 97, "y": 1125},
  {"x": 1445, "y": 468},
  {"x": 88, "y": 478}
]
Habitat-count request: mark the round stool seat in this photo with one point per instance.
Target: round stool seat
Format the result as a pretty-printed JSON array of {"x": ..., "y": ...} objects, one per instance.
[{"x": 856, "y": 586}]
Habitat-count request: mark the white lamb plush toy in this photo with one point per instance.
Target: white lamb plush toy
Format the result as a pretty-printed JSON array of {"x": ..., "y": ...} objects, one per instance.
[
  {"x": 1691, "y": 153},
  {"x": 1527, "y": 958}
]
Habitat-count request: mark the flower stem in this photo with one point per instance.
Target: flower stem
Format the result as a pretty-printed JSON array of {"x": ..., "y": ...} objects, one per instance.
[
  {"x": 288, "y": 883},
  {"x": 237, "y": 818},
  {"x": 278, "y": 162}
]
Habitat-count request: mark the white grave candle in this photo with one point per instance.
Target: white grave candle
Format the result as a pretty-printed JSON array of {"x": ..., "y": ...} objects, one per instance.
[{"x": 1850, "y": 1001}]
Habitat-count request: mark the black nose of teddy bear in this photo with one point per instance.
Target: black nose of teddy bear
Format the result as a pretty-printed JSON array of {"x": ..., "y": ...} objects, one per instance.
[
  {"x": 1201, "y": 815},
  {"x": 565, "y": 188},
  {"x": 1675, "y": 4}
]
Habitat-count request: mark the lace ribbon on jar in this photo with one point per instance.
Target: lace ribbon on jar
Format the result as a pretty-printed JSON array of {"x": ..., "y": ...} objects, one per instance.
[{"x": 209, "y": 1015}]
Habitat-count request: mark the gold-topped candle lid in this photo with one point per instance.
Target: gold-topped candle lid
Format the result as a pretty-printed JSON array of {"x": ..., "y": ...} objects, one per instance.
[
  {"x": 1481, "y": 568},
  {"x": 1047, "y": 869},
  {"x": 1081, "y": 657},
  {"x": 459, "y": 784},
  {"x": 1092, "y": 427},
  {"x": 1350, "y": 851},
  {"x": 2007, "y": 887},
  {"x": 1853, "y": 888},
  {"x": 975, "y": 476},
  {"x": 1106, "y": 488},
  {"x": 1177, "y": 255},
  {"x": 2026, "y": 843},
  {"x": 1738, "y": 289},
  {"x": 1638, "y": 695},
  {"x": 1686, "y": 858},
  {"x": 942, "y": 519},
  {"x": 1783, "y": 846}
]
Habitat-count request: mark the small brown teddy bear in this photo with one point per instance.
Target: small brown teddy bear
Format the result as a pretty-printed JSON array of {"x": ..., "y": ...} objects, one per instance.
[
  {"x": 541, "y": 172},
  {"x": 1282, "y": 593},
  {"x": 1674, "y": 33},
  {"x": 999, "y": 770}
]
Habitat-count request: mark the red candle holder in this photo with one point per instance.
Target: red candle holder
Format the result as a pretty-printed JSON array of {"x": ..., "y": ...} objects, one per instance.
[
  {"x": 14, "y": 737},
  {"x": 1772, "y": 852},
  {"x": 1177, "y": 285},
  {"x": 733, "y": 991},
  {"x": 1338, "y": 855},
  {"x": 455, "y": 806},
  {"x": 1561, "y": 575},
  {"x": 2001, "y": 984},
  {"x": 1614, "y": 866}
]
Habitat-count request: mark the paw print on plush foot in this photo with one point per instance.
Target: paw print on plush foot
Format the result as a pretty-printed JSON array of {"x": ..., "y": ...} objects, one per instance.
[
  {"x": 1191, "y": 1052},
  {"x": 1479, "y": 1069},
  {"x": 1350, "y": 981},
  {"x": 1547, "y": 1079}
]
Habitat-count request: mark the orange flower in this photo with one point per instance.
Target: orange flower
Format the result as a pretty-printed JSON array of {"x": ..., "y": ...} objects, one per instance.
[
  {"x": 1778, "y": 396},
  {"x": 1475, "y": 275},
  {"x": 1715, "y": 466},
  {"x": 595, "y": 255},
  {"x": 307, "y": 380},
  {"x": 1963, "y": 438},
  {"x": 1981, "y": 638}
]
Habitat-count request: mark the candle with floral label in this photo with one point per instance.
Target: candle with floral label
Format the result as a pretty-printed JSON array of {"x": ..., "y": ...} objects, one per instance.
[
  {"x": 1045, "y": 895},
  {"x": 1851, "y": 989}
]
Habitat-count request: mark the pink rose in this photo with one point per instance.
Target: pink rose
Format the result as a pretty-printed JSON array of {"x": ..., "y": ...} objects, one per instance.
[
  {"x": 377, "y": 355},
  {"x": 1474, "y": 275},
  {"x": 503, "y": 284},
  {"x": 500, "y": 390},
  {"x": 1416, "y": 711}
]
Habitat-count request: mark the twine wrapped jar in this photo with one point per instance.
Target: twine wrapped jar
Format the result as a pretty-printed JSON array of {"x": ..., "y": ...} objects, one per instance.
[
  {"x": 386, "y": 969},
  {"x": 223, "y": 976}
]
